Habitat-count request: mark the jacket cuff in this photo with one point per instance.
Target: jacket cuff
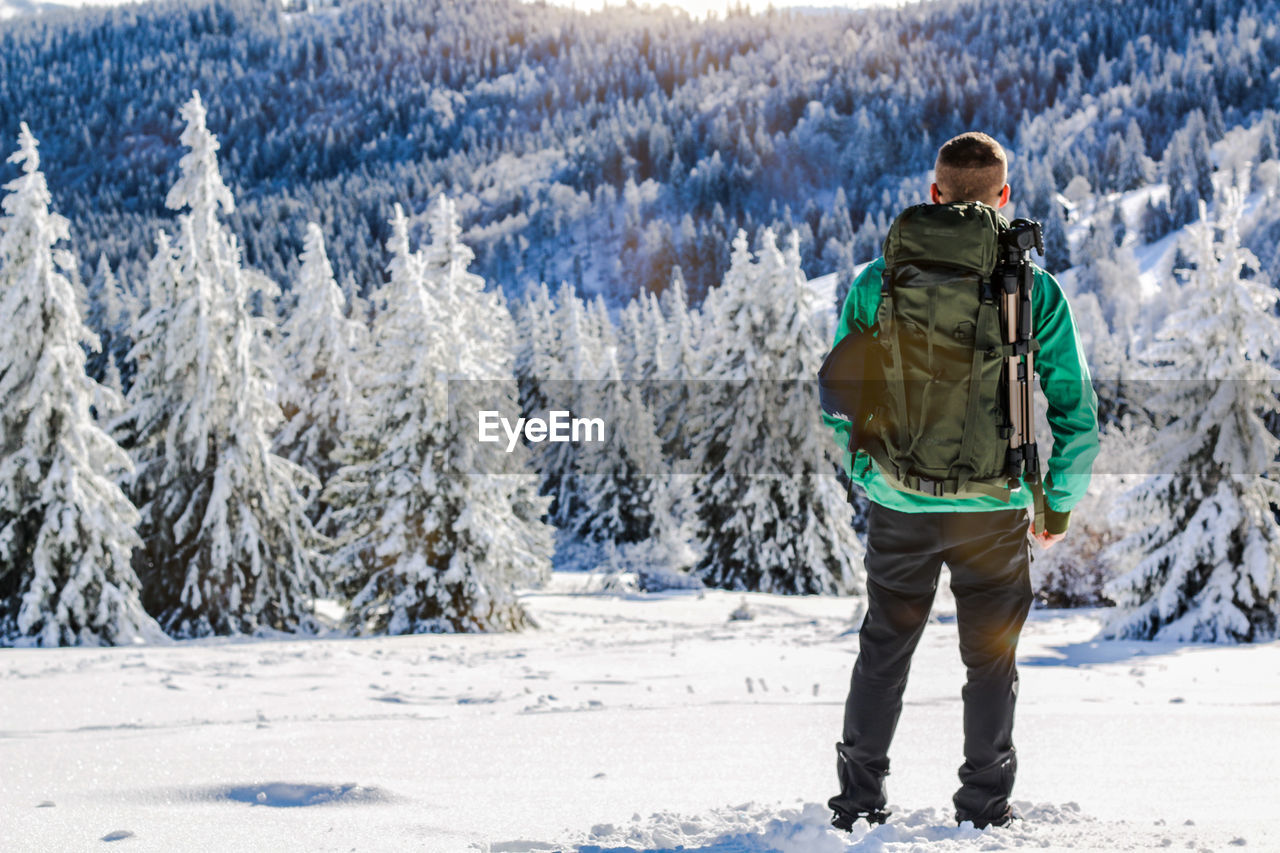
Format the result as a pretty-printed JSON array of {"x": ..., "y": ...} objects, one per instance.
[{"x": 1056, "y": 522}]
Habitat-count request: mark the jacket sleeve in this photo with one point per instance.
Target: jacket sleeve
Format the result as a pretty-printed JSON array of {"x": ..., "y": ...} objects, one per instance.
[
  {"x": 1072, "y": 402},
  {"x": 858, "y": 314}
]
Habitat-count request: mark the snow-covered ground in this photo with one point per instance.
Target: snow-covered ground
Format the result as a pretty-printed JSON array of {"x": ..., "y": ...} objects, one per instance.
[{"x": 624, "y": 723}]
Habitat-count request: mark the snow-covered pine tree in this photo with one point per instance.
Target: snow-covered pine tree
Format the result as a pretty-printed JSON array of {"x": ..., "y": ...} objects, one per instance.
[
  {"x": 1111, "y": 274},
  {"x": 318, "y": 357},
  {"x": 772, "y": 516},
  {"x": 580, "y": 354},
  {"x": 617, "y": 479},
  {"x": 1188, "y": 169},
  {"x": 835, "y": 233},
  {"x": 681, "y": 365},
  {"x": 867, "y": 241},
  {"x": 603, "y": 337},
  {"x": 654, "y": 331},
  {"x": 1155, "y": 221},
  {"x": 1074, "y": 573},
  {"x": 66, "y": 528},
  {"x": 1265, "y": 169},
  {"x": 629, "y": 499},
  {"x": 1057, "y": 251},
  {"x": 358, "y": 306},
  {"x": 1119, "y": 227},
  {"x": 1267, "y": 147},
  {"x": 378, "y": 498},
  {"x": 1203, "y": 566},
  {"x": 635, "y": 353},
  {"x": 679, "y": 323},
  {"x": 227, "y": 546},
  {"x": 641, "y": 354},
  {"x": 1094, "y": 247},
  {"x": 535, "y": 346},
  {"x": 1105, "y": 354},
  {"x": 626, "y": 498},
  {"x": 112, "y": 311},
  {"x": 428, "y": 544},
  {"x": 1133, "y": 168},
  {"x": 492, "y": 521}
]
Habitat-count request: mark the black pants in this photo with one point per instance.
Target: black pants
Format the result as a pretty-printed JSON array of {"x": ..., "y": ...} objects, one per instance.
[{"x": 989, "y": 558}]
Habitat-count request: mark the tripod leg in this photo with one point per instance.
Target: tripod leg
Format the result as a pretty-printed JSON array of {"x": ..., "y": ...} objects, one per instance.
[
  {"x": 1029, "y": 400},
  {"x": 1010, "y": 336}
]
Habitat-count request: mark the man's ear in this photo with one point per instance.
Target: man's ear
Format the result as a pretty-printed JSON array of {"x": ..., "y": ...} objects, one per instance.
[
  {"x": 1004, "y": 197},
  {"x": 936, "y": 195}
]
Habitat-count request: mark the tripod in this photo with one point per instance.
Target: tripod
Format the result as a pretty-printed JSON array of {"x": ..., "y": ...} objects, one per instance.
[{"x": 1014, "y": 278}]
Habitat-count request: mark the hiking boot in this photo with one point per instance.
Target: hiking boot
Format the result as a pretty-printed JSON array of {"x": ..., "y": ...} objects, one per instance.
[
  {"x": 1004, "y": 818},
  {"x": 844, "y": 820}
]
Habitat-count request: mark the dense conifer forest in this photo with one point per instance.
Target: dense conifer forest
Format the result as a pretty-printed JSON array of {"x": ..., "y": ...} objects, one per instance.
[{"x": 603, "y": 150}]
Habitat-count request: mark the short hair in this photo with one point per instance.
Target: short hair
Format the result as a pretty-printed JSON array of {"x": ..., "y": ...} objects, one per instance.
[{"x": 970, "y": 167}]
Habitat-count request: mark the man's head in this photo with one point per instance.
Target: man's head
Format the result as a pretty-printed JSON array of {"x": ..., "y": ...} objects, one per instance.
[{"x": 970, "y": 167}]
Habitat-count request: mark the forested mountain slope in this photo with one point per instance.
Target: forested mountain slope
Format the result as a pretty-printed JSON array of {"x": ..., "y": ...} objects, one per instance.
[{"x": 602, "y": 150}]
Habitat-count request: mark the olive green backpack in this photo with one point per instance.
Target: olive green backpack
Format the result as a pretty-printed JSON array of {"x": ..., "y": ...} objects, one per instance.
[{"x": 939, "y": 425}]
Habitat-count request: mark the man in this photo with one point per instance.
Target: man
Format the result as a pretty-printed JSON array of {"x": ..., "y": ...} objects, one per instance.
[{"x": 983, "y": 540}]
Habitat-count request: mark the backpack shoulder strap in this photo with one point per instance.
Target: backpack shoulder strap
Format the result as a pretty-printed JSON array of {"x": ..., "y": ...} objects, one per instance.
[
  {"x": 895, "y": 381},
  {"x": 986, "y": 339}
]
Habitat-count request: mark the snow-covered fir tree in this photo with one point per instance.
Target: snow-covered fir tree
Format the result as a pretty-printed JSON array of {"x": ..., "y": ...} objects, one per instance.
[
  {"x": 580, "y": 360},
  {"x": 112, "y": 311},
  {"x": 771, "y": 514},
  {"x": 66, "y": 529},
  {"x": 637, "y": 341},
  {"x": 602, "y": 352},
  {"x": 1105, "y": 354},
  {"x": 492, "y": 537},
  {"x": 1110, "y": 273},
  {"x": 617, "y": 479},
  {"x": 378, "y": 497},
  {"x": 1155, "y": 220},
  {"x": 1188, "y": 169},
  {"x": 318, "y": 365},
  {"x": 227, "y": 546},
  {"x": 1119, "y": 227},
  {"x": 535, "y": 346},
  {"x": 1267, "y": 148},
  {"x": 680, "y": 325},
  {"x": 430, "y": 543},
  {"x": 835, "y": 233},
  {"x": 1075, "y": 572},
  {"x": 626, "y": 500},
  {"x": 1057, "y": 251},
  {"x": 1095, "y": 245},
  {"x": 1132, "y": 167},
  {"x": 621, "y": 491},
  {"x": 662, "y": 551},
  {"x": 654, "y": 330},
  {"x": 629, "y": 496},
  {"x": 1204, "y": 564}
]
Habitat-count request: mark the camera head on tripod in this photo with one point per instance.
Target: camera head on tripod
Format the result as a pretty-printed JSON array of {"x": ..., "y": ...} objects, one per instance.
[{"x": 1021, "y": 236}]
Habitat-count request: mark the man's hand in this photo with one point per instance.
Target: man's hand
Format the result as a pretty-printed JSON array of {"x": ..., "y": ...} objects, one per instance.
[{"x": 1044, "y": 538}]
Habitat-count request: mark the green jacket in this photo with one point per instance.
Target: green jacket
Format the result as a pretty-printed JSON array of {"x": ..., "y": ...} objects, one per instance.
[{"x": 1064, "y": 378}]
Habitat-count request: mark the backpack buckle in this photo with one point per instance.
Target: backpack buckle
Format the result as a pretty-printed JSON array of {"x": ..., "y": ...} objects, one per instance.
[{"x": 933, "y": 487}]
